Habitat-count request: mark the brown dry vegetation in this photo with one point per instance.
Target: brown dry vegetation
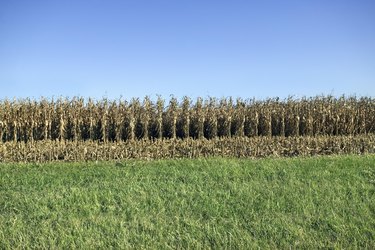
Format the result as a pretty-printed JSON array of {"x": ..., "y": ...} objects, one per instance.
[
  {"x": 46, "y": 150},
  {"x": 78, "y": 129},
  {"x": 78, "y": 119}
]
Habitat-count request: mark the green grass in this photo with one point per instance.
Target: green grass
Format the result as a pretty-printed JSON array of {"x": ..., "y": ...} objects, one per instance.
[{"x": 200, "y": 203}]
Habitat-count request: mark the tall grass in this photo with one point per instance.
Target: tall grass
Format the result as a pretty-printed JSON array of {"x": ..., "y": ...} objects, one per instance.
[{"x": 294, "y": 203}]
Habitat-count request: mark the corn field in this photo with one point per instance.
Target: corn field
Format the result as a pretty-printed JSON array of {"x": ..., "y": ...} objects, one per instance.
[
  {"x": 78, "y": 119},
  {"x": 73, "y": 129}
]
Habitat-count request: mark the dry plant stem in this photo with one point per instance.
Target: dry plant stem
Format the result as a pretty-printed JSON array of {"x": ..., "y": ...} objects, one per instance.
[{"x": 78, "y": 119}]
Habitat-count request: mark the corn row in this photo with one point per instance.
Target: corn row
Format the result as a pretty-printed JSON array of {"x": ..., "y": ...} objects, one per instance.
[{"x": 78, "y": 119}]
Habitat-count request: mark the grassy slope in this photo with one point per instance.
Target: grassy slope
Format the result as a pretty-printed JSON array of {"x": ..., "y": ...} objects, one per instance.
[{"x": 304, "y": 202}]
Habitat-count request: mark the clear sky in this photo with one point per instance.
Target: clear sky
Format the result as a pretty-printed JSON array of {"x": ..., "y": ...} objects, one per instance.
[{"x": 202, "y": 48}]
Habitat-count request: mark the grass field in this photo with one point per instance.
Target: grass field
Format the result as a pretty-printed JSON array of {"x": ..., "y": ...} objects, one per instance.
[{"x": 199, "y": 203}]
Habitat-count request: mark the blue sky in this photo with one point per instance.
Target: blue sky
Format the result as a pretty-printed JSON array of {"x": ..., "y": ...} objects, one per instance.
[{"x": 202, "y": 48}]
